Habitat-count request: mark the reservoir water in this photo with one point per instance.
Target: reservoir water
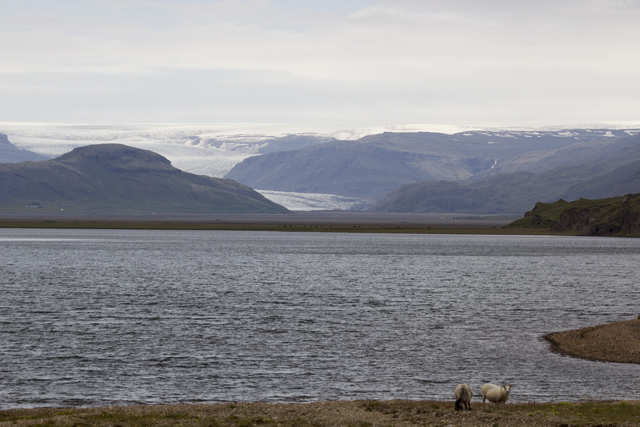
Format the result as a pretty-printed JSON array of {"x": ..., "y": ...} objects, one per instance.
[{"x": 111, "y": 317}]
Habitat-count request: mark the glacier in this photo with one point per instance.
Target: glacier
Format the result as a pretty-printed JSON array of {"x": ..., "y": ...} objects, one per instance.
[{"x": 314, "y": 201}]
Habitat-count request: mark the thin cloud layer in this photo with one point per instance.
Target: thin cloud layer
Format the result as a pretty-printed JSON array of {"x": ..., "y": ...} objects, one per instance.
[{"x": 456, "y": 62}]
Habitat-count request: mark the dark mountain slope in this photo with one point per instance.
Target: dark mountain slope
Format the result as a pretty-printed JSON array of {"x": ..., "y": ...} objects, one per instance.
[
  {"x": 504, "y": 193},
  {"x": 116, "y": 178},
  {"x": 580, "y": 152},
  {"x": 9, "y": 153},
  {"x": 613, "y": 175},
  {"x": 357, "y": 170},
  {"x": 367, "y": 168},
  {"x": 623, "y": 180}
]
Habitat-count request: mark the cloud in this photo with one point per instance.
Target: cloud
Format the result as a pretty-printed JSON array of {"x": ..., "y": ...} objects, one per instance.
[{"x": 414, "y": 57}]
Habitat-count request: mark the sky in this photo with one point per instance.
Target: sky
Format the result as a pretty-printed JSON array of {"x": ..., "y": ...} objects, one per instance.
[{"x": 462, "y": 62}]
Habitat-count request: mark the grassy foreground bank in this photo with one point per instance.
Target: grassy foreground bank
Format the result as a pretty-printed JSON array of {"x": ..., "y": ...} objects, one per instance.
[{"x": 370, "y": 413}]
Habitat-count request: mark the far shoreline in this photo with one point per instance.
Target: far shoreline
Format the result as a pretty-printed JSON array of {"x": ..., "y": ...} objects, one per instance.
[{"x": 299, "y": 221}]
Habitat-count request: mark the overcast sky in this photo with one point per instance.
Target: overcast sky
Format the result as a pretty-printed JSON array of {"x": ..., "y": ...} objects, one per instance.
[{"x": 320, "y": 61}]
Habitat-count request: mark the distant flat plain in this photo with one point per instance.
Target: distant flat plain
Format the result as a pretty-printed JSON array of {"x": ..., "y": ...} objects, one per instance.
[{"x": 309, "y": 221}]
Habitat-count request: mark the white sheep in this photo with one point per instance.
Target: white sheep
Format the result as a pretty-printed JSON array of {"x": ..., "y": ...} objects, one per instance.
[
  {"x": 495, "y": 393},
  {"x": 463, "y": 395}
]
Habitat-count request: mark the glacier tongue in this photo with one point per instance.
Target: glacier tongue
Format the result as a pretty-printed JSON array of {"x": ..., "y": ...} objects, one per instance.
[{"x": 314, "y": 201}]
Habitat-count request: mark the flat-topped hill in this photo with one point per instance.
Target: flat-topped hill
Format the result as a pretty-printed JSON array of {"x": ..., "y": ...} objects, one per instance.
[
  {"x": 117, "y": 158},
  {"x": 115, "y": 178}
]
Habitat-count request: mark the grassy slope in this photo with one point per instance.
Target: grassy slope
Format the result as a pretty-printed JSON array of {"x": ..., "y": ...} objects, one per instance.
[{"x": 550, "y": 212}]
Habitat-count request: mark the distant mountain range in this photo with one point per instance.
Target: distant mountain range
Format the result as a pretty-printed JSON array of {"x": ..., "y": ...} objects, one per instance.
[
  {"x": 473, "y": 171},
  {"x": 376, "y": 165},
  {"x": 602, "y": 177},
  {"x": 202, "y": 149},
  {"x": 114, "y": 178}
]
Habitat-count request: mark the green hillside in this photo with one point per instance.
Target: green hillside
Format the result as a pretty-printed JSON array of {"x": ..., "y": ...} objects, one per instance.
[
  {"x": 616, "y": 216},
  {"x": 543, "y": 215}
]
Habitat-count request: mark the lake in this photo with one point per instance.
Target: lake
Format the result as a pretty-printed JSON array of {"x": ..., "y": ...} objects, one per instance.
[{"x": 119, "y": 317}]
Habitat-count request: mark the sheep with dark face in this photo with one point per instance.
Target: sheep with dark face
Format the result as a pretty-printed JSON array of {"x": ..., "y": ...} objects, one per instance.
[
  {"x": 495, "y": 393},
  {"x": 463, "y": 394}
]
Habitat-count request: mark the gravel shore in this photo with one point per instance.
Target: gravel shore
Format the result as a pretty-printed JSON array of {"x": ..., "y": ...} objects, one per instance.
[{"x": 614, "y": 342}]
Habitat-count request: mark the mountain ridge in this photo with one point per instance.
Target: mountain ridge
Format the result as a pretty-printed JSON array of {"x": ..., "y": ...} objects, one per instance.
[{"x": 391, "y": 160}]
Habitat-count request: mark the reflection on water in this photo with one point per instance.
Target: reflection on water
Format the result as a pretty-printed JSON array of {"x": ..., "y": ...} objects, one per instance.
[{"x": 104, "y": 317}]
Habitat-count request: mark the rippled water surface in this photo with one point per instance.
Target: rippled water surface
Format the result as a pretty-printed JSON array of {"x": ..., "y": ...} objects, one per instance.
[{"x": 104, "y": 317}]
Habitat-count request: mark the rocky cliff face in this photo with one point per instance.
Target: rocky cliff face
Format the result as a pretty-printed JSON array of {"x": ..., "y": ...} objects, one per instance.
[{"x": 621, "y": 219}]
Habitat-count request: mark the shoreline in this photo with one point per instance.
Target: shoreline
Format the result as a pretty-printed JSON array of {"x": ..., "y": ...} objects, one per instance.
[
  {"x": 363, "y": 413},
  {"x": 313, "y": 221},
  {"x": 616, "y": 342}
]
